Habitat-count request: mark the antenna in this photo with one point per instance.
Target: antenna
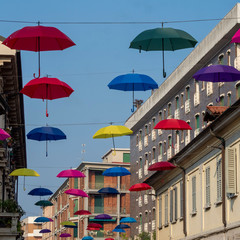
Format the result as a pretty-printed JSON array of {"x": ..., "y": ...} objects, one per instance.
[{"x": 83, "y": 152}]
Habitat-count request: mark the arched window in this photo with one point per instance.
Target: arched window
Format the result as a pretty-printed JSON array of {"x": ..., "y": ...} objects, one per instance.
[{"x": 229, "y": 100}]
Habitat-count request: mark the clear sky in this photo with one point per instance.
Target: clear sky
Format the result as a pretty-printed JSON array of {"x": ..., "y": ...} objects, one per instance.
[{"x": 101, "y": 54}]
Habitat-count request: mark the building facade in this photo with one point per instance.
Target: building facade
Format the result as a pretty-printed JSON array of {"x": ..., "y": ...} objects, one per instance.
[
  {"x": 31, "y": 229},
  {"x": 180, "y": 97},
  {"x": 12, "y": 150},
  {"x": 117, "y": 206}
]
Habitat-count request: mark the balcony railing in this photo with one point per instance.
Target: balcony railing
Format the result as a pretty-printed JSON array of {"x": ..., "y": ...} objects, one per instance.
[
  {"x": 196, "y": 132},
  {"x": 145, "y": 227},
  {"x": 187, "y": 139},
  {"x": 153, "y": 135},
  {"x": 169, "y": 153},
  {"x": 159, "y": 131},
  {"x": 103, "y": 209},
  {"x": 96, "y": 185},
  {"x": 145, "y": 199},
  {"x": 153, "y": 161},
  {"x": 146, "y": 141},
  {"x": 140, "y": 229},
  {"x": 176, "y": 114},
  {"x": 209, "y": 88},
  {"x": 153, "y": 224},
  {"x": 140, "y": 145},
  {"x": 140, "y": 173},
  {"x": 196, "y": 99},
  {"x": 187, "y": 106},
  {"x": 8, "y": 224},
  {"x": 146, "y": 169},
  {"x": 140, "y": 201},
  {"x": 176, "y": 148},
  {"x": 160, "y": 158}
]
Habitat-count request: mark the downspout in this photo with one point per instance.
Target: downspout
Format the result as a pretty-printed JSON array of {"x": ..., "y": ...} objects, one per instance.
[
  {"x": 184, "y": 201},
  {"x": 223, "y": 177}
]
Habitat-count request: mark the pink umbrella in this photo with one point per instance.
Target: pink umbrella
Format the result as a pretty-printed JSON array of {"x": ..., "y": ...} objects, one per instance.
[
  {"x": 65, "y": 235},
  {"x": 71, "y": 173},
  {"x": 3, "y": 135},
  {"x": 139, "y": 187},
  {"x": 82, "y": 212},
  {"x": 161, "y": 166},
  {"x": 76, "y": 192}
]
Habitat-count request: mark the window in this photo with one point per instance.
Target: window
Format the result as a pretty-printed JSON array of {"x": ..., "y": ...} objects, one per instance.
[
  {"x": 75, "y": 183},
  {"x": 238, "y": 90},
  {"x": 160, "y": 116},
  {"x": 173, "y": 205},
  {"x": 220, "y": 59},
  {"x": 160, "y": 151},
  {"x": 207, "y": 189},
  {"x": 219, "y": 180},
  {"x": 181, "y": 199},
  {"x": 154, "y": 153},
  {"x": 164, "y": 113},
  {"x": 169, "y": 109},
  {"x": 197, "y": 125},
  {"x": 222, "y": 100},
  {"x": 137, "y": 140},
  {"x": 194, "y": 207},
  {"x": 75, "y": 204},
  {"x": 182, "y": 136},
  {"x": 182, "y": 101},
  {"x": 229, "y": 57},
  {"x": 203, "y": 114},
  {"x": 153, "y": 123},
  {"x": 164, "y": 147},
  {"x": 146, "y": 130},
  {"x": 187, "y": 93},
  {"x": 177, "y": 102},
  {"x": 126, "y": 157},
  {"x": 229, "y": 100},
  {"x": 231, "y": 171},
  {"x": 169, "y": 142},
  {"x": 75, "y": 231},
  {"x": 203, "y": 85},
  {"x": 140, "y": 135},
  {"x": 160, "y": 212},
  {"x": 166, "y": 209}
]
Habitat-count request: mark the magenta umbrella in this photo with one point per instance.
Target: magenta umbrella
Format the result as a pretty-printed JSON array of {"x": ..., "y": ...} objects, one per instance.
[
  {"x": 3, "y": 135},
  {"x": 76, "y": 192},
  {"x": 71, "y": 173},
  {"x": 65, "y": 235}
]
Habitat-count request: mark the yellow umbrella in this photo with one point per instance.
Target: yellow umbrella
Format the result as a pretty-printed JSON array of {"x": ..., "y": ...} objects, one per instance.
[
  {"x": 69, "y": 223},
  {"x": 112, "y": 131},
  {"x": 24, "y": 172}
]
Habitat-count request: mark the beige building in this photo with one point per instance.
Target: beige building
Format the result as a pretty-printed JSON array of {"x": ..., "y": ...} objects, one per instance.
[{"x": 31, "y": 229}]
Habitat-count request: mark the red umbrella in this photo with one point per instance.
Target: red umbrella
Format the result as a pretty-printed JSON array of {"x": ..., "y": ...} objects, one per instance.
[
  {"x": 71, "y": 173},
  {"x": 94, "y": 225},
  {"x": 38, "y": 38},
  {"x": 93, "y": 229},
  {"x": 47, "y": 88},
  {"x": 161, "y": 166},
  {"x": 82, "y": 212},
  {"x": 109, "y": 238},
  {"x": 139, "y": 187},
  {"x": 172, "y": 124},
  {"x": 76, "y": 192}
]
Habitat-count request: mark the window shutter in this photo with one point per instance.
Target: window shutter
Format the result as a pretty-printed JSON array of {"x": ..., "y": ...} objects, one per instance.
[
  {"x": 208, "y": 187},
  {"x": 181, "y": 199},
  {"x": 219, "y": 180},
  {"x": 171, "y": 205},
  {"x": 194, "y": 194},
  {"x": 231, "y": 171},
  {"x": 166, "y": 209},
  {"x": 175, "y": 203},
  {"x": 160, "y": 212}
]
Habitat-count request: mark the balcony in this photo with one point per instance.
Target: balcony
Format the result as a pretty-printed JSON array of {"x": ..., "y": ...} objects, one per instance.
[
  {"x": 169, "y": 153},
  {"x": 146, "y": 169},
  {"x": 187, "y": 106},
  {"x": 103, "y": 209},
  {"x": 140, "y": 201},
  {"x": 209, "y": 88},
  {"x": 36, "y": 233},
  {"x": 196, "y": 99},
  {"x": 145, "y": 227},
  {"x": 145, "y": 199},
  {"x": 153, "y": 135},
  {"x": 140, "y": 173},
  {"x": 169, "y": 117},
  {"x": 8, "y": 225},
  {"x": 146, "y": 141},
  {"x": 187, "y": 139},
  {"x": 176, "y": 148},
  {"x": 153, "y": 225},
  {"x": 159, "y": 131},
  {"x": 140, "y": 145},
  {"x": 140, "y": 229},
  {"x": 160, "y": 158},
  {"x": 153, "y": 161},
  {"x": 176, "y": 114},
  {"x": 196, "y": 132},
  {"x": 94, "y": 185}
]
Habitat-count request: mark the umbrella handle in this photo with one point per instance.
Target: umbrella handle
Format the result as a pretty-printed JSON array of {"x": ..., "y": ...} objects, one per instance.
[
  {"x": 38, "y": 60},
  {"x": 133, "y": 99},
  {"x": 47, "y": 108}
]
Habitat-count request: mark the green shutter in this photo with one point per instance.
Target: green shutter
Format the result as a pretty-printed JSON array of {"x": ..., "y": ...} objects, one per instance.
[
  {"x": 75, "y": 231},
  {"x": 197, "y": 122},
  {"x": 75, "y": 206},
  {"x": 99, "y": 180},
  {"x": 126, "y": 157},
  {"x": 100, "y": 233},
  {"x": 98, "y": 204},
  {"x": 76, "y": 183}
]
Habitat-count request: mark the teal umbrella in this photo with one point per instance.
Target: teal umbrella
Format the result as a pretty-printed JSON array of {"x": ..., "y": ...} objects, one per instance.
[
  {"x": 44, "y": 203},
  {"x": 163, "y": 39}
]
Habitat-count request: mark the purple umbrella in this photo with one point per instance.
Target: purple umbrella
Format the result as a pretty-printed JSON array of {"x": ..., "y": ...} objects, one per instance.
[
  {"x": 71, "y": 173},
  {"x": 76, "y": 192},
  {"x": 65, "y": 235},
  {"x": 103, "y": 216},
  {"x": 217, "y": 73},
  {"x": 45, "y": 231}
]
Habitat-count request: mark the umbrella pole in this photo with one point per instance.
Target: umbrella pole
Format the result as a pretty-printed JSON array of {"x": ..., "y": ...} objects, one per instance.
[
  {"x": 114, "y": 153},
  {"x": 24, "y": 184},
  {"x": 46, "y": 148},
  {"x": 164, "y": 73},
  {"x": 133, "y": 102}
]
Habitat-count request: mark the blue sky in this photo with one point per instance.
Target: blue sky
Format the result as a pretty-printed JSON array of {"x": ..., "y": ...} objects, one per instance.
[{"x": 101, "y": 53}]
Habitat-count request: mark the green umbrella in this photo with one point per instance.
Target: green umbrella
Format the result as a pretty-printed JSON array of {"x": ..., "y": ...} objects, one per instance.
[
  {"x": 43, "y": 203},
  {"x": 163, "y": 39}
]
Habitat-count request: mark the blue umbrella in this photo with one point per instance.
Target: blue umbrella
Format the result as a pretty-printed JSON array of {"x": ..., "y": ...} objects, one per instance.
[
  {"x": 40, "y": 192},
  {"x": 116, "y": 171},
  {"x": 133, "y": 82},
  {"x": 43, "y": 219},
  {"x": 128, "y": 220},
  {"x": 108, "y": 190},
  {"x": 87, "y": 238},
  {"x": 121, "y": 226},
  {"x": 118, "y": 230},
  {"x": 46, "y": 134}
]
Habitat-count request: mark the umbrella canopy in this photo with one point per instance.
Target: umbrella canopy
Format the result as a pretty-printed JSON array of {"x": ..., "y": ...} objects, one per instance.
[
  {"x": 161, "y": 166},
  {"x": 65, "y": 235},
  {"x": 70, "y": 226},
  {"x": 133, "y": 82},
  {"x": 95, "y": 225},
  {"x": 71, "y": 173},
  {"x": 44, "y": 203},
  {"x": 116, "y": 171},
  {"x": 108, "y": 190},
  {"x": 119, "y": 230},
  {"x": 128, "y": 220},
  {"x": 45, "y": 231},
  {"x": 68, "y": 223},
  {"x": 173, "y": 124},
  {"x": 76, "y": 192},
  {"x": 103, "y": 216},
  {"x": 3, "y": 135},
  {"x": 122, "y": 226},
  {"x": 217, "y": 73},
  {"x": 139, "y": 187},
  {"x": 163, "y": 39},
  {"x": 82, "y": 212},
  {"x": 87, "y": 238},
  {"x": 40, "y": 192},
  {"x": 92, "y": 229},
  {"x": 109, "y": 238},
  {"x": 43, "y": 219},
  {"x": 46, "y": 134}
]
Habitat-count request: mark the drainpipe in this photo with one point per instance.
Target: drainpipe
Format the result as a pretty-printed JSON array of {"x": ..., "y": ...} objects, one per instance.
[
  {"x": 184, "y": 201},
  {"x": 223, "y": 177}
]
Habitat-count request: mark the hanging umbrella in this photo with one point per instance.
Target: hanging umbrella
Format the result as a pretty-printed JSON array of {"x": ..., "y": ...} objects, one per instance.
[
  {"x": 43, "y": 219},
  {"x": 38, "y": 38},
  {"x": 236, "y": 37},
  {"x": 95, "y": 225},
  {"x": 163, "y": 39},
  {"x": 3, "y": 135},
  {"x": 70, "y": 226},
  {"x": 217, "y": 73},
  {"x": 109, "y": 238},
  {"x": 133, "y": 82},
  {"x": 139, "y": 187},
  {"x": 112, "y": 131},
  {"x": 82, "y": 212},
  {"x": 87, "y": 238},
  {"x": 40, "y": 192},
  {"x": 116, "y": 171},
  {"x": 76, "y": 192},
  {"x": 69, "y": 223},
  {"x": 71, "y": 173},
  {"x": 44, "y": 203},
  {"x": 47, "y": 88},
  {"x": 119, "y": 230},
  {"x": 46, "y": 134},
  {"x": 121, "y": 226},
  {"x": 45, "y": 231},
  {"x": 24, "y": 172},
  {"x": 108, "y": 190},
  {"x": 65, "y": 235},
  {"x": 161, "y": 166},
  {"x": 128, "y": 220},
  {"x": 92, "y": 229},
  {"x": 103, "y": 216}
]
